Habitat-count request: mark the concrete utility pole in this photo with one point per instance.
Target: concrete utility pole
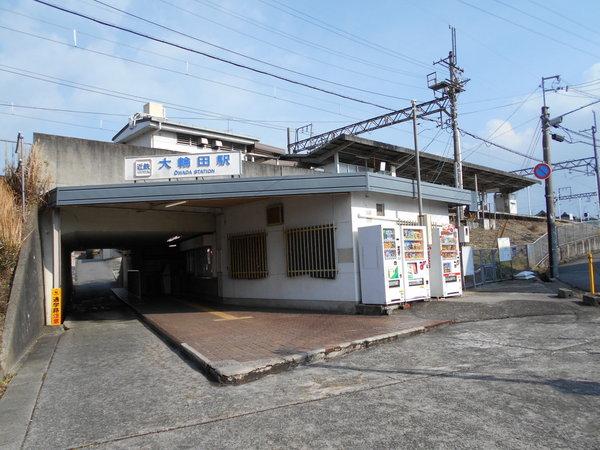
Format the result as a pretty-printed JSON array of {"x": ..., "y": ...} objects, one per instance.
[
  {"x": 597, "y": 169},
  {"x": 417, "y": 162},
  {"x": 553, "y": 257},
  {"x": 453, "y": 90},
  {"x": 453, "y": 86}
]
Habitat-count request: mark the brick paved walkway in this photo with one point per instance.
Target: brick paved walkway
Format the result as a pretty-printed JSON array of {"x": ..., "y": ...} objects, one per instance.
[{"x": 234, "y": 334}]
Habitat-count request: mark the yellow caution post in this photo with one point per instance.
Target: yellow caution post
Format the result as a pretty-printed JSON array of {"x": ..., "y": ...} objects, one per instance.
[
  {"x": 56, "y": 311},
  {"x": 591, "y": 273}
]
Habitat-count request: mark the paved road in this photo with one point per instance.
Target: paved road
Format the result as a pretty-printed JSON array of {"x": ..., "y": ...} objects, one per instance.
[
  {"x": 516, "y": 382},
  {"x": 575, "y": 273}
]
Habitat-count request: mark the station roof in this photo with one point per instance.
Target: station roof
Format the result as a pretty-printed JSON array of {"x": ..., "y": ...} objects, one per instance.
[
  {"x": 434, "y": 169},
  {"x": 223, "y": 192}
]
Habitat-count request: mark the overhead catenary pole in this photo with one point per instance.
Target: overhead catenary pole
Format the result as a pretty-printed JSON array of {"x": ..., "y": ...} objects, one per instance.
[
  {"x": 553, "y": 257},
  {"x": 417, "y": 162}
]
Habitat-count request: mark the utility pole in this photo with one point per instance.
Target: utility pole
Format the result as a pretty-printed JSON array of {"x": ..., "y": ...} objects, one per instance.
[
  {"x": 597, "y": 169},
  {"x": 553, "y": 257},
  {"x": 417, "y": 162},
  {"x": 453, "y": 86}
]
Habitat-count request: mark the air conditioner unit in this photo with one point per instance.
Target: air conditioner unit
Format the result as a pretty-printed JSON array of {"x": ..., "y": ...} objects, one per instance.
[
  {"x": 217, "y": 145},
  {"x": 203, "y": 142}
]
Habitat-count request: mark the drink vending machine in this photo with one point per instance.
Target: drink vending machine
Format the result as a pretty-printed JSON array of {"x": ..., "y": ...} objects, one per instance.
[
  {"x": 445, "y": 262},
  {"x": 380, "y": 265},
  {"x": 414, "y": 262}
]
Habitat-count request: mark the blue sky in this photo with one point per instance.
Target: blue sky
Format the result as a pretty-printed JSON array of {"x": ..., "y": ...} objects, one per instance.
[{"x": 504, "y": 52}]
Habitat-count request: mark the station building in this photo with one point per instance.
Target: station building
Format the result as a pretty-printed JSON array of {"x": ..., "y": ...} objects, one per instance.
[{"x": 223, "y": 217}]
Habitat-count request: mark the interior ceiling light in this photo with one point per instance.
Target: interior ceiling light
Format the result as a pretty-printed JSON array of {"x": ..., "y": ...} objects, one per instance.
[
  {"x": 170, "y": 205},
  {"x": 173, "y": 238},
  {"x": 172, "y": 245}
]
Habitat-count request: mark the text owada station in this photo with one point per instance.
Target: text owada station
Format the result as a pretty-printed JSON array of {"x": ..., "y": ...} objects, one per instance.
[{"x": 397, "y": 265}]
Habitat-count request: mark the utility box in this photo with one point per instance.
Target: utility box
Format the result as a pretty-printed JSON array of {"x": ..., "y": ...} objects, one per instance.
[{"x": 505, "y": 203}]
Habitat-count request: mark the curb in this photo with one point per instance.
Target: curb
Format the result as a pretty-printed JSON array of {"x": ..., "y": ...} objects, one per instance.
[{"x": 234, "y": 372}]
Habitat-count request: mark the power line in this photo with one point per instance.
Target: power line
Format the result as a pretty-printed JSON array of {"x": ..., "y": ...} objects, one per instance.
[
  {"x": 57, "y": 121},
  {"x": 562, "y": 15},
  {"x": 320, "y": 61},
  {"x": 186, "y": 74},
  {"x": 150, "y": 52},
  {"x": 343, "y": 33},
  {"x": 543, "y": 20},
  {"x": 122, "y": 95},
  {"x": 216, "y": 58},
  {"x": 468, "y": 133},
  {"x": 531, "y": 30}
]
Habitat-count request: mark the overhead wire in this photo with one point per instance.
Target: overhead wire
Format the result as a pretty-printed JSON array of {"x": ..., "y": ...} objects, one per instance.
[
  {"x": 122, "y": 95},
  {"x": 185, "y": 74},
  {"x": 563, "y": 16},
  {"x": 288, "y": 50},
  {"x": 187, "y": 63},
  {"x": 215, "y": 57},
  {"x": 546, "y": 22},
  {"x": 531, "y": 30},
  {"x": 343, "y": 33}
]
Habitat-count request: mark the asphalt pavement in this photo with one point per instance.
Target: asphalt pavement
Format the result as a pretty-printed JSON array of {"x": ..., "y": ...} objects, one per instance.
[
  {"x": 576, "y": 273},
  {"x": 529, "y": 379}
]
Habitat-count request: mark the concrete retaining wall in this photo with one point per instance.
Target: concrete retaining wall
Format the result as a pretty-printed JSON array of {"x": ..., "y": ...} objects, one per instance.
[
  {"x": 577, "y": 249},
  {"x": 25, "y": 316}
]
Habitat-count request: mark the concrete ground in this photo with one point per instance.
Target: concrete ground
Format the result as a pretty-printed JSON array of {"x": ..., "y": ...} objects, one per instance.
[{"x": 527, "y": 379}]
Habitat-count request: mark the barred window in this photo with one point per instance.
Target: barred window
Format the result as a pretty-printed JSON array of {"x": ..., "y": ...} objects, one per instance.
[
  {"x": 248, "y": 256},
  {"x": 311, "y": 251}
]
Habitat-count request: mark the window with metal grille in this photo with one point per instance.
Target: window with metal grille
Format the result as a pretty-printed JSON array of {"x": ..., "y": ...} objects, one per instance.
[
  {"x": 187, "y": 139},
  {"x": 311, "y": 251},
  {"x": 248, "y": 256}
]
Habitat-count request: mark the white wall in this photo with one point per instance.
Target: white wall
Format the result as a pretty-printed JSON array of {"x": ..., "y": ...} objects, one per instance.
[
  {"x": 298, "y": 211},
  {"x": 364, "y": 206}
]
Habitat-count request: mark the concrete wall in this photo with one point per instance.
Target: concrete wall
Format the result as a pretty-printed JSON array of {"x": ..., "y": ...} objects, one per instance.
[
  {"x": 297, "y": 291},
  {"x": 25, "y": 315},
  {"x": 75, "y": 162}
]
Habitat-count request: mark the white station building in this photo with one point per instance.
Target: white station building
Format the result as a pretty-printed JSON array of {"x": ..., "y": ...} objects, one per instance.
[{"x": 222, "y": 217}]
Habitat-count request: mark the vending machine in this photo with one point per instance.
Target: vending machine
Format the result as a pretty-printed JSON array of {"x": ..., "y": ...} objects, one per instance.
[
  {"x": 445, "y": 262},
  {"x": 381, "y": 278},
  {"x": 415, "y": 262}
]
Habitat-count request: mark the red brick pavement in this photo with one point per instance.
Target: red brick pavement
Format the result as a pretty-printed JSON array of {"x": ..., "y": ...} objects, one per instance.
[{"x": 222, "y": 333}]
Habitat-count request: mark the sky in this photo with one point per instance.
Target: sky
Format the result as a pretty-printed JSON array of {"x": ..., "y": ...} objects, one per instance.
[{"x": 378, "y": 53}]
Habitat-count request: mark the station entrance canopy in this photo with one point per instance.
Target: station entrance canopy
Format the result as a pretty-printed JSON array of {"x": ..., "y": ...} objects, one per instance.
[
  {"x": 217, "y": 193},
  {"x": 434, "y": 169}
]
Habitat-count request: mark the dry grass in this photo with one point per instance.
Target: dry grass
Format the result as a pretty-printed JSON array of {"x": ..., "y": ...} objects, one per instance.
[
  {"x": 4, "y": 384},
  {"x": 11, "y": 219},
  {"x": 11, "y": 230},
  {"x": 36, "y": 180}
]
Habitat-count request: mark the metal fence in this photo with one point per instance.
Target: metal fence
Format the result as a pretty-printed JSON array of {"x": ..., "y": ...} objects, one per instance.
[{"x": 574, "y": 241}]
